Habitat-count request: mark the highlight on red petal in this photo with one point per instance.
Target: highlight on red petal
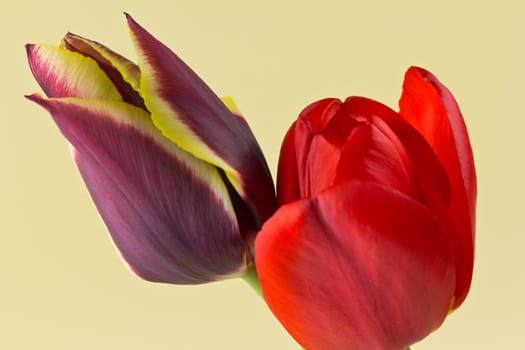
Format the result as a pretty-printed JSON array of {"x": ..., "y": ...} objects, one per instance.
[
  {"x": 430, "y": 107},
  {"x": 187, "y": 111},
  {"x": 168, "y": 213},
  {"x": 62, "y": 73},
  {"x": 359, "y": 267}
]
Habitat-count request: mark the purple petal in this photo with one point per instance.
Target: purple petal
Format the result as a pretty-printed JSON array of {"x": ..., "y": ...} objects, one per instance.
[
  {"x": 185, "y": 109},
  {"x": 168, "y": 213}
]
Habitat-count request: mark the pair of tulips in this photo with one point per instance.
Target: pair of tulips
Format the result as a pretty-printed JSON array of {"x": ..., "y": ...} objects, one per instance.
[{"x": 369, "y": 242}]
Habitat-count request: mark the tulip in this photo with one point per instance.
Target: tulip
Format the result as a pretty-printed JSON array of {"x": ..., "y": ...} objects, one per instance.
[
  {"x": 178, "y": 177},
  {"x": 372, "y": 245}
]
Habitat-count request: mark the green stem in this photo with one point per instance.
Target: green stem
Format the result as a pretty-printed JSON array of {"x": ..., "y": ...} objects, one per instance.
[{"x": 252, "y": 279}]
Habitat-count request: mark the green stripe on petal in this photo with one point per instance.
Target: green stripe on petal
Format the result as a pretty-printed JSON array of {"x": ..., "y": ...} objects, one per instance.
[{"x": 62, "y": 73}]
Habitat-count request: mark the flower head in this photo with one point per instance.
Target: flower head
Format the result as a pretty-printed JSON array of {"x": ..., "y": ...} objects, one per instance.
[
  {"x": 373, "y": 243},
  {"x": 177, "y": 177}
]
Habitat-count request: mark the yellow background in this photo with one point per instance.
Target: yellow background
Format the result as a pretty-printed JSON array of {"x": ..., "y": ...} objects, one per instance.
[{"x": 62, "y": 285}]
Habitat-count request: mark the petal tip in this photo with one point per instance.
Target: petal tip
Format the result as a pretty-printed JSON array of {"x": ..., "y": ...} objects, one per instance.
[
  {"x": 70, "y": 35},
  {"x": 39, "y": 100},
  {"x": 131, "y": 22},
  {"x": 30, "y": 51},
  {"x": 137, "y": 31},
  {"x": 420, "y": 72},
  {"x": 35, "y": 98}
]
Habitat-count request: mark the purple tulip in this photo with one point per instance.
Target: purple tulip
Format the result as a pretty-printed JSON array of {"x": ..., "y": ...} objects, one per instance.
[{"x": 178, "y": 177}]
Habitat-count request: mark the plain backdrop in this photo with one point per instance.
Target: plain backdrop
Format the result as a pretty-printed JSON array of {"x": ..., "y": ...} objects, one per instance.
[{"x": 63, "y": 286}]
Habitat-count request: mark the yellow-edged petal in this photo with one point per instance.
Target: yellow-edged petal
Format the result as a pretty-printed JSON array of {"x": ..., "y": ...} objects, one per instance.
[
  {"x": 168, "y": 212},
  {"x": 62, "y": 73},
  {"x": 130, "y": 71},
  {"x": 191, "y": 115}
]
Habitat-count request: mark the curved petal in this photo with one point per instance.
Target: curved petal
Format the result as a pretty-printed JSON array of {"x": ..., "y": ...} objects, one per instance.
[
  {"x": 430, "y": 107},
  {"x": 123, "y": 73},
  {"x": 374, "y": 153},
  {"x": 229, "y": 102},
  {"x": 432, "y": 182},
  {"x": 317, "y": 155},
  {"x": 318, "y": 138},
  {"x": 360, "y": 267},
  {"x": 62, "y": 73},
  {"x": 185, "y": 109},
  {"x": 168, "y": 213},
  {"x": 287, "y": 176},
  {"x": 362, "y": 139}
]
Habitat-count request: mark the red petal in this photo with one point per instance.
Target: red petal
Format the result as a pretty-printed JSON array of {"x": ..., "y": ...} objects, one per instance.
[
  {"x": 317, "y": 159},
  {"x": 360, "y": 267},
  {"x": 374, "y": 153},
  {"x": 432, "y": 110},
  {"x": 287, "y": 176},
  {"x": 426, "y": 170},
  {"x": 311, "y": 151}
]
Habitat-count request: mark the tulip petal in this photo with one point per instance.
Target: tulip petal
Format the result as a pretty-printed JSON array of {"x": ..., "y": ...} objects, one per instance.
[
  {"x": 185, "y": 109},
  {"x": 123, "y": 73},
  {"x": 359, "y": 139},
  {"x": 231, "y": 105},
  {"x": 168, "y": 213},
  {"x": 374, "y": 153},
  {"x": 310, "y": 151},
  {"x": 317, "y": 153},
  {"x": 287, "y": 175},
  {"x": 62, "y": 73},
  {"x": 427, "y": 172},
  {"x": 430, "y": 107},
  {"x": 359, "y": 267}
]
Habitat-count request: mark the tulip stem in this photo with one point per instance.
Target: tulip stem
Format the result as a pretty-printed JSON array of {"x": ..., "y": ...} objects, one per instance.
[{"x": 252, "y": 279}]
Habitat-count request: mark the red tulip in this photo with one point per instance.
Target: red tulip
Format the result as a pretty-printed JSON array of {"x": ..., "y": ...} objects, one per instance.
[{"x": 373, "y": 243}]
